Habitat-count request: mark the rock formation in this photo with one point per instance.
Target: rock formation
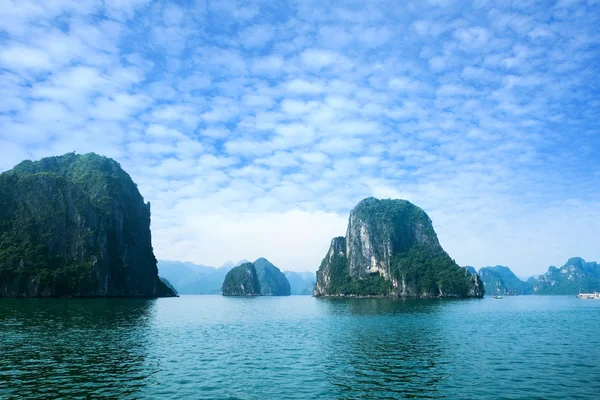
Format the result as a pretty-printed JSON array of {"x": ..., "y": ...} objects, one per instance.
[
  {"x": 575, "y": 276},
  {"x": 242, "y": 281},
  {"x": 75, "y": 226},
  {"x": 391, "y": 249},
  {"x": 272, "y": 281},
  {"x": 169, "y": 285},
  {"x": 500, "y": 280},
  {"x": 190, "y": 278}
]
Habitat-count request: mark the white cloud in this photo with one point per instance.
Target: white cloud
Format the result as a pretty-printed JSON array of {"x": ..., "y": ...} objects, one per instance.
[
  {"x": 302, "y": 86},
  {"x": 427, "y": 28},
  {"x": 123, "y": 9},
  {"x": 256, "y": 35},
  {"x": 405, "y": 84},
  {"x": 273, "y": 235},
  {"x": 17, "y": 57},
  {"x": 267, "y": 65},
  {"x": 472, "y": 37},
  {"x": 236, "y": 116},
  {"x": 319, "y": 58}
]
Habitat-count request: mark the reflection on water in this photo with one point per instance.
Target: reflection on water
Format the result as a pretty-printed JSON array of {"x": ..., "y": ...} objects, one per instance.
[
  {"x": 58, "y": 348},
  {"x": 375, "y": 306},
  {"x": 379, "y": 359}
]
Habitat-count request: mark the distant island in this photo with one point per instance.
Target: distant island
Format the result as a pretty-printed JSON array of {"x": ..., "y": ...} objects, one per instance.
[
  {"x": 75, "y": 226},
  {"x": 272, "y": 281},
  {"x": 500, "y": 280},
  {"x": 391, "y": 249},
  {"x": 575, "y": 276},
  {"x": 242, "y": 281},
  {"x": 189, "y": 278},
  {"x": 301, "y": 283}
]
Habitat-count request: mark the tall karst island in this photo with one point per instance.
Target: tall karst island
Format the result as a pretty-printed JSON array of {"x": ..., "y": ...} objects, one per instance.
[
  {"x": 75, "y": 226},
  {"x": 391, "y": 249}
]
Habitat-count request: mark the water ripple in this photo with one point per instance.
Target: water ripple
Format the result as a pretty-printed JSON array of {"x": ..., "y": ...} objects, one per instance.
[{"x": 300, "y": 348}]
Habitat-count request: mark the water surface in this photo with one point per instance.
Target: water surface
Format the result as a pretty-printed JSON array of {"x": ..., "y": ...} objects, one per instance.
[{"x": 299, "y": 347}]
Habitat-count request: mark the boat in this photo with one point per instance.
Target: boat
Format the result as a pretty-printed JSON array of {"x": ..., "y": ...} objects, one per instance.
[
  {"x": 497, "y": 297},
  {"x": 589, "y": 296}
]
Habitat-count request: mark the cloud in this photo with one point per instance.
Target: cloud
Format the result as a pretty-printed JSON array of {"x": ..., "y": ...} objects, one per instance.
[
  {"x": 256, "y": 35},
  {"x": 301, "y": 86},
  {"x": 253, "y": 129},
  {"x": 472, "y": 37},
  {"x": 318, "y": 58},
  {"x": 271, "y": 64}
]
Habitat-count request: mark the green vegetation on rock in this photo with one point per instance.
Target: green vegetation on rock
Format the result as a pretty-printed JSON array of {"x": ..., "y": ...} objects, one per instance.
[
  {"x": 242, "y": 281},
  {"x": 574, "y": 277},
  {"x": 75, "y": 226},
  {"x": 391, "y": 249},
  {"x": 494, "y": 285},
  {"x": 272, "y": 281},
  {"x": 500, "y": 280}
]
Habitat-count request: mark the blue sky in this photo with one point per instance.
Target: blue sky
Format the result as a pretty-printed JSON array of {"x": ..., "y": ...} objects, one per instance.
[{"x": 254, "y": 127}]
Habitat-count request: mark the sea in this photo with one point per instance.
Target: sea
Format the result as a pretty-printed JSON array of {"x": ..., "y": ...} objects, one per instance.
[{"x": 300, "y": 347}]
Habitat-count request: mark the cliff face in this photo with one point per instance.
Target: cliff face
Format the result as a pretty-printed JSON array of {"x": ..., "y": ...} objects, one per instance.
[
  {"x": 391, "y": 249},
  {"x": 272, "y": 281},
  {"x": 501, "y": 280},
  {"x": 75, "y": 226},
  {"x": 493, "y": 282},
  {"x": 333, "y": 268},
  {"x": 242, "y": 281},
  {"x": 575, "y": 276}
]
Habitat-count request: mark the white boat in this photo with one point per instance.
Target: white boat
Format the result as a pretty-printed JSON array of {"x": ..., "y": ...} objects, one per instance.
[
  {"x": 589, "y": 296},
  {"x": 497, "y": 297}
]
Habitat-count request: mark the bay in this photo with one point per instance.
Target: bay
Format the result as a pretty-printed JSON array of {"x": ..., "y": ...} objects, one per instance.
[{"x": 299, "y": 347}]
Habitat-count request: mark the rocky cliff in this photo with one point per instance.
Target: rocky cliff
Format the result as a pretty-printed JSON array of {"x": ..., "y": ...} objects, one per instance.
[
  {"x": 391, "y": 249},
  {"x": 470, "y": 270},
  {"x": 272, "y": 281},
  {"x": 500, "y": 280},
  {"x": 575, "y": 276},
  {"x": 492, "y": 281},
  {"x": 75, "y": 226},
  {"x": 169, "y": 285},
  {"x": 242, "y": 281}
]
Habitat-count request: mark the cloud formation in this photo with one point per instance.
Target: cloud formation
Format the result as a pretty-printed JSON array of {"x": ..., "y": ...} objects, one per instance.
[{"x": 254, "y": 127}]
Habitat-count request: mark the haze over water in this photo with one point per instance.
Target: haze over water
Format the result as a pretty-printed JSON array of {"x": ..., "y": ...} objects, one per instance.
[{"x": 300, "y": 347}]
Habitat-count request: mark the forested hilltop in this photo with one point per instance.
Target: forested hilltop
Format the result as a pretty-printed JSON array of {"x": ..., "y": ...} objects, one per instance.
[
  {"x": 500, "y": 280},
  {"x": 575, "y": 276},
  {"x": 391, "y": 249},
  {"x": 75, "y": 226},
  {"x": 242, "y": 281},
  {"x": 272, "y": 281}
]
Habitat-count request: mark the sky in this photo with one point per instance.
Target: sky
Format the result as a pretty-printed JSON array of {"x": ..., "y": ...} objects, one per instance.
[{"x": 253, "y": 128}]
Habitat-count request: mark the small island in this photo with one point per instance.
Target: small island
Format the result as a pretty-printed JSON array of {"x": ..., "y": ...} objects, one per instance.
[
  {"x": 272, "y": 281},
  {"x": 391, "y": 250},
  {"x": 242, "y": 281}
]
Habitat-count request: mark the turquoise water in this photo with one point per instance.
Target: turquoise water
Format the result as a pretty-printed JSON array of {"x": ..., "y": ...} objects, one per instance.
[{"x": 301, "y": 348}]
